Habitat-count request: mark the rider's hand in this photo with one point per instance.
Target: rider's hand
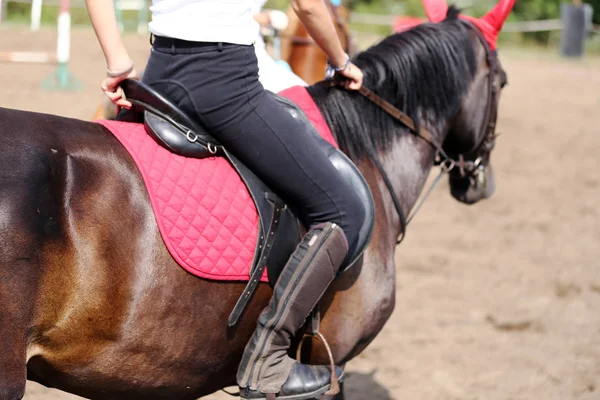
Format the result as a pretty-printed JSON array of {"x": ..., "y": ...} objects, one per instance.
[
  {"x": 353, "y": 75},
  {"x": 112, "y": 90}
]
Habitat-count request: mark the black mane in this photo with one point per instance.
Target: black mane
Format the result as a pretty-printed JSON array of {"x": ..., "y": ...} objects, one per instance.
[{"x": 423, "y": 71}]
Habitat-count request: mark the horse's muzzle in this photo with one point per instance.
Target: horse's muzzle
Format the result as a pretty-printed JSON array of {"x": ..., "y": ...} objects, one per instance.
[{"x": 472, "y": 188}]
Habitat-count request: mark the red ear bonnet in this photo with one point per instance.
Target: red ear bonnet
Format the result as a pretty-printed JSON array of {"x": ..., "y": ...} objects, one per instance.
[
  {"x": 436, "y": 10},
  {"x": 490, "y": 25}
]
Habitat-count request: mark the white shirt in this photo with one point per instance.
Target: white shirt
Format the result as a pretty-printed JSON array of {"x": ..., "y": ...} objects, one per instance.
[
  {"x": 227, "y": 21},
  {"x": 272, "y": 76}
]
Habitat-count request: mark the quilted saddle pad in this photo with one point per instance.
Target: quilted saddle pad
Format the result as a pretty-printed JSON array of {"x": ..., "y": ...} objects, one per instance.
[{"x": 204, "y": 212}]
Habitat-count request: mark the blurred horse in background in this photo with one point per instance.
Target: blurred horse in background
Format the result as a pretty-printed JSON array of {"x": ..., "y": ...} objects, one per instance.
[{"x": 303, "y": 55}]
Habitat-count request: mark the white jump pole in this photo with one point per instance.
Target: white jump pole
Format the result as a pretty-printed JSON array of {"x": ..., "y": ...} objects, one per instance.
[
  {"x": 142, "y": 17},
  {"x": 36, "y": 14},
  {"x": 63, "y": 47},
  {"x": 27, "y": 57},
  {"x": 1, "y": 10},
  {"x": 62, "y": 79}
]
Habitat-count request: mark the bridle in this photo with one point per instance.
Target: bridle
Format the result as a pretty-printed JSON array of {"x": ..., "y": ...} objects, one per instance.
[
  {"x": 449, "y": 163},
  {"x": 467, "y": 168}
]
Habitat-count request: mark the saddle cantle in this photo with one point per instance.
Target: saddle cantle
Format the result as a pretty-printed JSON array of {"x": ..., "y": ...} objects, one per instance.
[
  {"x": 166, "y": 123},
  {"x": 279, "y": 229}
]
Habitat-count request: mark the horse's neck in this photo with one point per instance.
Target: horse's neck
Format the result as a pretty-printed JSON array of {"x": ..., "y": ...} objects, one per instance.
[{"x": 407, "y": 165}]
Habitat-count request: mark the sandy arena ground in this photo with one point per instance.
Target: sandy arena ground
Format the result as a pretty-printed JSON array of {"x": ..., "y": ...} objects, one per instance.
[{"x": 496, "y": 301}]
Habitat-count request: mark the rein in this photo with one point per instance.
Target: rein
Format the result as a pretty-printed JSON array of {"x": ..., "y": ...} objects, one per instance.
[
  {"x": 424, "y": 134},
  {"x": 446, "y": 162}
]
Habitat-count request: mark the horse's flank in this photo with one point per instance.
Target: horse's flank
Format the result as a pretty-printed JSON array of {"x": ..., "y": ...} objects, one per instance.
[{"x": 113, "y": 314}]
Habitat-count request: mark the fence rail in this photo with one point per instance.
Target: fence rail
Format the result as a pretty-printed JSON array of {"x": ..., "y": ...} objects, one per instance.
[
  {"x": 359, "y": 18},
  {"x": 522, "y": 26},
  {"x": 123, "y": 4},
  {"x": 533, "y": 26}
]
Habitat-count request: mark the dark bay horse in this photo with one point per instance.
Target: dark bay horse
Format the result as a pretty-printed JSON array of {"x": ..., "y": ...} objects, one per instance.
[{"x": 92, "y": 303}]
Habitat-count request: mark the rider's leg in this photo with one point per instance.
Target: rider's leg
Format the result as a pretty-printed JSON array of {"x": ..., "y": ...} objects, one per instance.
[{"x": 220, "y": 85}]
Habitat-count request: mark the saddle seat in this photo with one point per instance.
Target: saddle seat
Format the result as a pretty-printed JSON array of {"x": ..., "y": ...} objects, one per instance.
[{"x": 279, "y": 229}]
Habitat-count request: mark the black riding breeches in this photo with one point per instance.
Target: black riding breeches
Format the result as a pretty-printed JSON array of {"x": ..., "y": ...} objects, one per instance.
[{"x": 218, "y": 84}]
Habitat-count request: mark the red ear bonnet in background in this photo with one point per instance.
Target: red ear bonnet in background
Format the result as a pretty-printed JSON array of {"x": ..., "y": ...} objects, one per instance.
[{"x": 490, "y": 25}]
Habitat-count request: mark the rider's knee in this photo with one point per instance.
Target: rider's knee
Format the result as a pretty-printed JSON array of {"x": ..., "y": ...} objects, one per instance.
[{"x": 352, "y": 216}]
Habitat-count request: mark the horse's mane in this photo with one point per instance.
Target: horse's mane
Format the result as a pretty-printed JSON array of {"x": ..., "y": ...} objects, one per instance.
[{"x": 423, "y": 71}]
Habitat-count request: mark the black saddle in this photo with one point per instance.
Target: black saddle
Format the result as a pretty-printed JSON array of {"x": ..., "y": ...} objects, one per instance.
[{"x": 279, "y": 230}]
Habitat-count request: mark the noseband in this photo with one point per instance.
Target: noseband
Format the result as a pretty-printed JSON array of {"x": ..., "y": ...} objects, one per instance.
[{"x": 449, "y": 163}]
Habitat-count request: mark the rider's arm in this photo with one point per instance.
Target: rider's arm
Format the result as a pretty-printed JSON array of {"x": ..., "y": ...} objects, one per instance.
[
  {"x": 315, "y": 18},
  {"x": 118, "y": 63},
  {"x": 317, "y": 21},
  {"x": 104, "y": 21}
]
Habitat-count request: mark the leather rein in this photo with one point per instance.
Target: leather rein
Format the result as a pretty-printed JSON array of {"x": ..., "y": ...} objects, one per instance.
[{"x": 448, "y": 163}]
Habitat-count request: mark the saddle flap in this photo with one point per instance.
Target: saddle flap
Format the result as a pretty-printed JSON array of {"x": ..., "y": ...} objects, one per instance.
[
  {"x": 176, "y": 138},
  {"x": 349, "y": 172},
  {"x": 169, "y": 125},
  {"x": 352, "y": 175}
]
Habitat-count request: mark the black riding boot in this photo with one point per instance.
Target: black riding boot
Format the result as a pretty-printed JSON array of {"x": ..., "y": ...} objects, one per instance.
[{"x": 266, "y": 367}]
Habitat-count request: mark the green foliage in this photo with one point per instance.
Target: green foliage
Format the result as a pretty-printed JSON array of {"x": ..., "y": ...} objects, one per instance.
[
  {"x": 596, "y": 6},
  {"x": 531, "y": 10},
  {"x": 20, "y": 12},
  {"x": 524, "y": 10}
]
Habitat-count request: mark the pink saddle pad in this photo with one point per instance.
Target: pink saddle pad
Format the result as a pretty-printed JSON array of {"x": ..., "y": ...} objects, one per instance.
[{"x": 204, "y": 212}]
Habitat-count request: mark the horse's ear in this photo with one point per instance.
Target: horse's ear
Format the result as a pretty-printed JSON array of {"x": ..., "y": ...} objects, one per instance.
[
  {"x": 490, "y": 25},
  {"x": 436, "y": 10},
  {"x": 496, "y": 17}
]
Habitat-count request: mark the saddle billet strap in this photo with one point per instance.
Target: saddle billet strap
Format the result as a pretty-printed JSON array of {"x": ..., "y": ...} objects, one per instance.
[{"x": 250, "y": 288}]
